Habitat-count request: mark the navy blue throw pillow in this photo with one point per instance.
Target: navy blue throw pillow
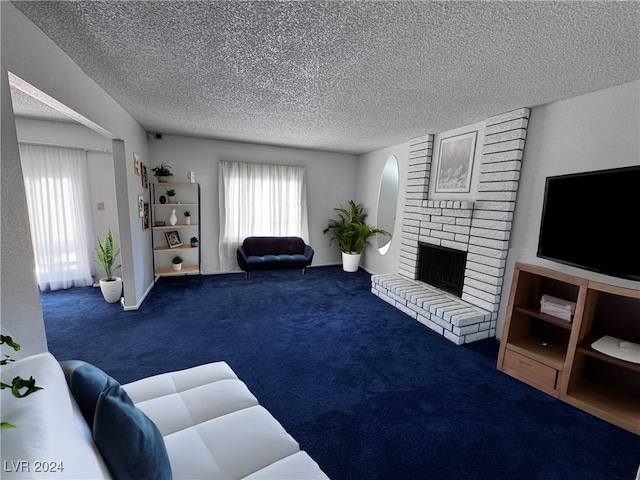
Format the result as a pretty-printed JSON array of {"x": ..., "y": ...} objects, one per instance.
[
  {"x": 86, "y": 383},
  {"x": 130, "y": 443}
]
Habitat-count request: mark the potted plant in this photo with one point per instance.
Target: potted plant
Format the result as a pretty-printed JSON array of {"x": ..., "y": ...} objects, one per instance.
[
  {"x": 177, "y": 263},
  {"x": 111, "y": 286},
  {"x": 352, "y": 233},
  {"x": 171, "y": 193},
  {"x": 187, "y": 217},
  {"x": 162, "y": 172},
  {"x": 194, "y": 241}
]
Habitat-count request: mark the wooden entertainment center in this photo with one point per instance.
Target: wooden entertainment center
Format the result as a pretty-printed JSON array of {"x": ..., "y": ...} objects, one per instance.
[{"x": 568, "y": 367}]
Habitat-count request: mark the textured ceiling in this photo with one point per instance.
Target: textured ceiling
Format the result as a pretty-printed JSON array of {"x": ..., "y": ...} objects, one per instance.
[{"x": 340, "y": 76}]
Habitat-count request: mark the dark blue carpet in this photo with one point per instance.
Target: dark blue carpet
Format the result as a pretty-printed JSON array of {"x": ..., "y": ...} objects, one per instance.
[{"x": 369, "y": 392}]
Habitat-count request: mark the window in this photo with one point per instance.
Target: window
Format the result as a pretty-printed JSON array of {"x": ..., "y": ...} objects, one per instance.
[
  {"x": 58, "y": 202},
  {"x": 259, "y": 200}
]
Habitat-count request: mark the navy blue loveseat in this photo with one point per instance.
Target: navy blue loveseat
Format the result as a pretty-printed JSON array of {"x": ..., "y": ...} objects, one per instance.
[{"x": 272, "y": 253}]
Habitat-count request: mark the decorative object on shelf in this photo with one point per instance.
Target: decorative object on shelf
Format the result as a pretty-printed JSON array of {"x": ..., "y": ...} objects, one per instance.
[
  {"x": 140, "y": 206},
  {"x": 172, "y": 218},
  {"x": 173, "y": 239},
  {"x": 455, "y": 161},
  {"x": 616, "y": 348},
  {"x": 18, "y": 383},
  {"x": 187, "y": 217},
  {"x": 191, "y": 177},
  {"x": 194, "y": 241},
  {"x": 143, "y": 175},
  {"x": 111, "y": 286},
  {"x": 171, "y": 193},
  {"x": 557, "y": 307},
  {"x": 177, "y": 263},
  {"x": 163, "y": 199},
  {"x": 162, "y": 172},
  {"x": 136, "y": 163},
  {"x": 145, "y": 217},
  {"x": 352, "y": 233},
  {"x": 160, "y": 223}
]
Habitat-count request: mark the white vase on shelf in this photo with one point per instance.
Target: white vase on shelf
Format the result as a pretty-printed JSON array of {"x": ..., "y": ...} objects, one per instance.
[{"x": 173, "y": 219}]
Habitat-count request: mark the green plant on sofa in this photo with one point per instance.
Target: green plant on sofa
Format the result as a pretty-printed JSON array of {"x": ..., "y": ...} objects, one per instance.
[
  {"x": 350, "y": 229},
  {"x": 18, "y": 384}
]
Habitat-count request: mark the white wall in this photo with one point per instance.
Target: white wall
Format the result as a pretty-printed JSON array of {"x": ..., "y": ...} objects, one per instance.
[
  {"x": 29, "y": 54},
  {"x": 595, "y": 131},
  {"x": 331, "y": 180},
  {"x": 370, "y": 168}
]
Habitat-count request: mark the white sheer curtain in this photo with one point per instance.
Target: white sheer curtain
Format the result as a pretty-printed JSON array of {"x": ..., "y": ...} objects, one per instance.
[
  {"x": 259, "y": 200},
  {"x": 59, "y": 215}
]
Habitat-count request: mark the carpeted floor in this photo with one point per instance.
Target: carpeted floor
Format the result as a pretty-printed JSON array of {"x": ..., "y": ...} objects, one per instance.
[{"x": 369, "y": 392}]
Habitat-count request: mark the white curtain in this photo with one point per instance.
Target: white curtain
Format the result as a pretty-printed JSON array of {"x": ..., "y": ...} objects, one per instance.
[
  {"x": 259, "y": 200},
  {"x": 59, "y": 215}
]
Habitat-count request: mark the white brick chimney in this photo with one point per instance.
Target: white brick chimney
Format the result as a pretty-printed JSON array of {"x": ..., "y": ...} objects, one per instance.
[{"x": 481, "y": 228}]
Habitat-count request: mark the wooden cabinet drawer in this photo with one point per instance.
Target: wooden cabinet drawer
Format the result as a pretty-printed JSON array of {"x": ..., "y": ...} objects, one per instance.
[{"x": 525, "y": 368}]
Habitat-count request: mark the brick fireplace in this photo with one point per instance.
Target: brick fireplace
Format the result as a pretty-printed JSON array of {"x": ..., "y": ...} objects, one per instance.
[{"x": 479, "y": 228}]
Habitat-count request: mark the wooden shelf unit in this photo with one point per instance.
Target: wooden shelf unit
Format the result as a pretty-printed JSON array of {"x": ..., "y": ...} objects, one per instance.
[
  {"x": 568, "y": 367},
  {"x": 161, "y": 212}
]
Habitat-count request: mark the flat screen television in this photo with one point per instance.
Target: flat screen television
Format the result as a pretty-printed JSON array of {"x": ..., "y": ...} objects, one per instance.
[{"x": 591, "y": 220}]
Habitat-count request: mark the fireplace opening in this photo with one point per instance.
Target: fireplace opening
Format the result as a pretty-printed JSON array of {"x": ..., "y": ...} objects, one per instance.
[{"x": 442, "y": 267}]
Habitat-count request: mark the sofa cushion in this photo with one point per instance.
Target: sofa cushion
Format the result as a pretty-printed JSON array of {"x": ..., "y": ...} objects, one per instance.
[
  {"x": 49, "y": 426},
  {"x": 294, "y": 467},
  {"x": 231, "y": 446},
  {"x": 130, "y": 443},
  {"x": 261, "y": 246}
]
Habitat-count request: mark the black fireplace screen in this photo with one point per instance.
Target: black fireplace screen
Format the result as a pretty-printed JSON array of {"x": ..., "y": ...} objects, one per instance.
[{"x": 442, "y": 267}]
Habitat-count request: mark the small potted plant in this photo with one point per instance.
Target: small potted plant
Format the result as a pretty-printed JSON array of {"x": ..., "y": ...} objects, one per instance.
[
  {"x": 110, "y": 286},
  {"x": 162, "y": 172},
  {"x": 171, "y": 193},
  {"x": 194, "y": 241},
  {"x": 187, "y": 217},
  {"x": 177, "y": 263}
]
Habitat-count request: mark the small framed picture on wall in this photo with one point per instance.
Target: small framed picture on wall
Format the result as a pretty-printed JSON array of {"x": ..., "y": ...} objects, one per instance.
[
  {"x": 145, "y": 216},
  {"x": 140, "y": 206},
  {"x": 136, "y": 163},
  {"x": 143, "y": 175}
]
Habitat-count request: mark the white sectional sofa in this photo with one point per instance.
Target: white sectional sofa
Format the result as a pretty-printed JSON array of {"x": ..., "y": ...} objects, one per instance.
[{"x": 204, "y": 420}]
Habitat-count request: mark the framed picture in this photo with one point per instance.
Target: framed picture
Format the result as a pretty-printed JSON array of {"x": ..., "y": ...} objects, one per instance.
[
  {"x": 145, "y": 216},
  {"x": 455, "y": 162},
  {"x": 143, "y": 175},
  {"x": 173, "y": 239},
  {"x": 140, "y": 206},
  {"x": 136, "y": 163}
]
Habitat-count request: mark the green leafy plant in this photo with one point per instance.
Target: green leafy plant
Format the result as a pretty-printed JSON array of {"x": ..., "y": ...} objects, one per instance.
[
  {"x": 194, "y": 239},
  {"x": 350, "y": 229},
  {"x": 171, "y": 192},
  {"x": 187, "y": 213},
  {"x": 18, "y": 384},
  {"x": 176, "y": 260},
  {"x": 162, "y": 170},
  {"x": 105, "y": 255}
]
